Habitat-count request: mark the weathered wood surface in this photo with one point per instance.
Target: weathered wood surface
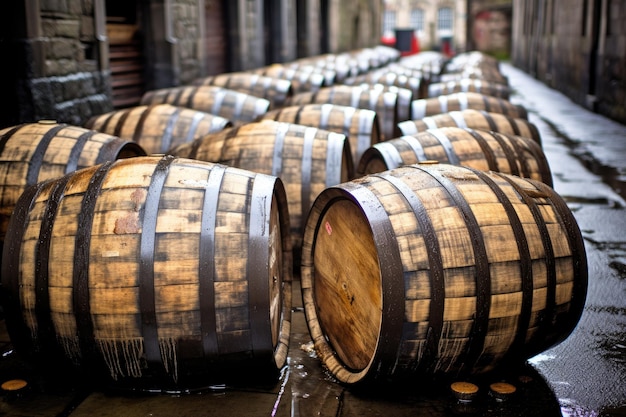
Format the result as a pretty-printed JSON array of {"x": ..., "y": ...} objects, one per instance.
[
  {"x": 360, "y": 126},
  {"x": 461, "y": 101},
  {"x": 473, "y": 119},
  {"x": 227, "y": 103},
  {"x": 158, "y": 127},
  {"x": 458, "y": 271},
  {"x": 35, "y": 152},
  {"x": 479, "y": 149},
  {"x": 152, "y": 266}
]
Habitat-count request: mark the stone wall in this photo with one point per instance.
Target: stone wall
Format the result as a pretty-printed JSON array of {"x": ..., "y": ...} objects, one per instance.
[
  {"x": 67, "y": 84},
  {"x": 577, "y": 47}
]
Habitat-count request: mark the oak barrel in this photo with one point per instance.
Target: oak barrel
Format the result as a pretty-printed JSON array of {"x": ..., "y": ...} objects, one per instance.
[
  {"x": 474, "y": 119},
  {"x": 302, "y": 79},
  {"x": 479, "y": 149},
  {"x": 277, "y": 91},
  {"x": 360, "y": 126},
  {"x": 460, "y": 101},
  {"x": 384, "y": 103},
  {"x": 155, "y": 269},
  {"x": 229, "y": 104},
  {"x": 306, "y": 159},
  {"x": 439, "y": 270},
  {"x": 158, "y": 127},
  {"x": 34, "y": 152},
  {"x": 465, "y": 85}
]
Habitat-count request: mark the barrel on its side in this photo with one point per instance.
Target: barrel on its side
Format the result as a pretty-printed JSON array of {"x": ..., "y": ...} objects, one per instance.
[
  {"x": 302, "y": 79},
  {"x": 35, "y": 152},
  {"x": 469, "y": 84},
  {"x": 439, "y": 270},
  {"x": 384, "y": 103},
  {"x": 151, "y": 270},
  {"x": 158, "y": 127},
  {"x": 306, "y": 159},
  {"x": 474, "y": 119},
  {"x": 479, "y": 149},
  {"x": 276, "y": 90},
  {"x": 462, "y": 101},
  {"x": 229, "y": 104},
  {"x": 360, "y": 126}
]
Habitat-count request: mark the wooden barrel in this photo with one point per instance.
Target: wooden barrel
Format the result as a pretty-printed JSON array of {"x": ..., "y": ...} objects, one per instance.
[
  {"x": 478, "y": 149},
  {"x": 439, "y": 270},
  {"x": 34, "y": 152},
  {"x": 469, "y": 85},
  {"x": 158, "y": 127},
  {"x": 277, "y": 91},
  {"x": 151, "y": 269},
  {"x": 384, "y": 103},
  {"x": 461, "y": 101},
  {"x": 474, "y": 119},
  {"x": 302, "y": 80},
  {"x": 229, "y": 104},
  {"x": 492, "y": 76},
  {"x": 360, "y": 126},
  {"x": 389, "y": 78},
  {"x": 305, "y": 158}
]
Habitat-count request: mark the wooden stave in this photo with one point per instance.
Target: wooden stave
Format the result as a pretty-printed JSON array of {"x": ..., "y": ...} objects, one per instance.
[
  {"x": 233, "y": 105},
  {"x": 360, "y": 126},
  {"x": 385, "y": 364},
  {"x": 334, "y": 166},
  {"x": 158, "y": 127},
  {"x": 220, "y": 363},
  {"x": 474, "y": 119},
  {"x": 460, "y": 101},
  {"x": 478, "y": 149}
]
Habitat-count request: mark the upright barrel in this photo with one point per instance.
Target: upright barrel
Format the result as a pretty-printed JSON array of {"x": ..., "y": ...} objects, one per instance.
[
  {"x": 158, "y": 127},
  {"x": 34, "y": 152},
  {"x": 306, "y": 159},
  {"x": 151, "y": 269},
  {"x": 474, "y": 119},
  {"x": 439, "y": 270},
  {"x": 360, "y": 126},
  {"x": 479, "y": 149}
]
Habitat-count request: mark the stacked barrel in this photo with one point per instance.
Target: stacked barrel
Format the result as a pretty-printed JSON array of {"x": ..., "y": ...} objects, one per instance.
[{"x": 409, "y": 195}]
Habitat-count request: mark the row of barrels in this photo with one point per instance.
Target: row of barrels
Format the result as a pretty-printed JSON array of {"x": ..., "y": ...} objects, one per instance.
[{"x": 164, "y": 267}]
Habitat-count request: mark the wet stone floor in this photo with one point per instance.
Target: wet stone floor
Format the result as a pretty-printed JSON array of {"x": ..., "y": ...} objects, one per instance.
[{"x": 303, "y": 388}]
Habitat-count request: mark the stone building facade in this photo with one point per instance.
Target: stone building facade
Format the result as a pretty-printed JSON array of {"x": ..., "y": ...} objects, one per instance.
[
  {"x": 71, "y": 59},
  {"x": 577, "y": 47}
]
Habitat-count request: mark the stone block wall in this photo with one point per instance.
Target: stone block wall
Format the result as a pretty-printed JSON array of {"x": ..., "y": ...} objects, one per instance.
[{"x": 67, "y": 83}]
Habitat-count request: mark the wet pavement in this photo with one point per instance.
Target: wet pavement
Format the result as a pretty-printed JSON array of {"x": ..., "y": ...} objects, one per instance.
[{"x": 583, "y": 376}]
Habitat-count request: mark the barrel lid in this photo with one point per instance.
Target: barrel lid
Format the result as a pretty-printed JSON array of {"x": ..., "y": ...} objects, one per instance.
[
  {"x": 464, "y": 391},
  {"x": 502, "y": 390},
  {"x": 14, "y": 385}
]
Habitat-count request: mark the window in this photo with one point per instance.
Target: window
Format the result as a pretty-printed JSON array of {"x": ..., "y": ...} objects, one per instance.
[
  {"x": 389, "y": 21},
  {"x": 417, "y": 19},
  {"x": 444, "y": 19}
]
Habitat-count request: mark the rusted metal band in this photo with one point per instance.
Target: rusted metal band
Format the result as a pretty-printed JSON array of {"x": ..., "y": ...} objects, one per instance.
[
  {"x": 511, "y": 156},
  {"x": 147, "y": 302},
  {"x": 546, "y": 325},
  {"x": 11, "y": 259},
  {"x": 77, "y": 149},
  {"x": 526, "y": 272},
  {"x": 206, "y": 267},
  {"x": 36, "y": 159},
  {"x": 166, "y": 139},
  {"x": 81, "y": 303},
  {"x": 122, "y": 120},
  {"x": 5, "y": 138},
  {"x": 480, "y": 325},
  {"x": 492, "y": 123},
  {"x": 445, "y": 143},
  {"x": 490, "y": 157},
  {"x": 257, "y": 266},
  {"x": 436, "y": 271}
]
